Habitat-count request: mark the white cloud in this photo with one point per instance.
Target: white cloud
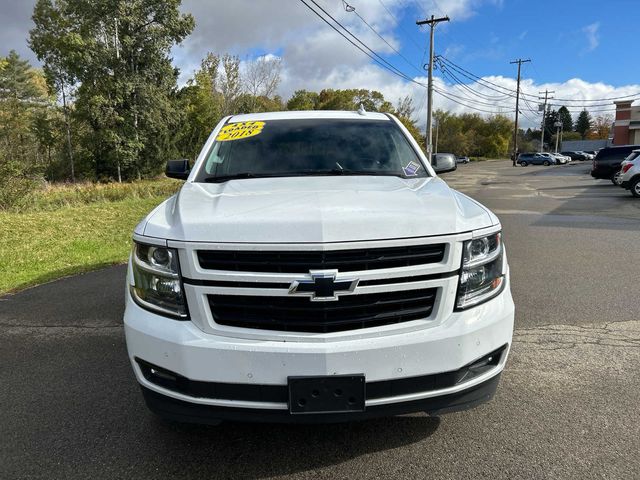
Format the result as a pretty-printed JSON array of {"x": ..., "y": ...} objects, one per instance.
[
  {"x": 592, "y": 35},
  {"x": 315, "y": 57}
]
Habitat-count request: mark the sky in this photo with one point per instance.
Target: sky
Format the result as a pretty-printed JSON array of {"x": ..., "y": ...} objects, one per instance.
[{"x": 579, "y": 49}]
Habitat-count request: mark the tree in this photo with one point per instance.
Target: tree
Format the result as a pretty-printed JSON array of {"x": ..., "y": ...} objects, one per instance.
[
  {"x": 404, "y": 107},
  {"x": 116, "y": 53},
  {"x": 44, "y": 128},
  {"x": 352, "y": 99},
  {"x": 201, "y": 105},
  {"x": 472, "y": 134},
  {"x": 23, "y": 92},
  {"x": 550, "y": 120},
  {"x": 583, "y": 124},
  {"x": 230, "y": 84},
  {"x": 600, "y": 128},
  {"x": 404, "y": 111},
  {"x": 571, "y": 136},
  {"x": 261, "y": 80},
  {"x": 565, "y": 117},
  {"x": 303, "y": 100}
]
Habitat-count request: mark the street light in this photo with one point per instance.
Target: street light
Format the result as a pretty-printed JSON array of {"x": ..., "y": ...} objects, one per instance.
[{"x": 558, "y": 125}]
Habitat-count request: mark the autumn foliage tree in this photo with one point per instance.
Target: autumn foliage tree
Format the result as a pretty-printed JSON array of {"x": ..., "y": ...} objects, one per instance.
[{"x": 600, "y": 127}]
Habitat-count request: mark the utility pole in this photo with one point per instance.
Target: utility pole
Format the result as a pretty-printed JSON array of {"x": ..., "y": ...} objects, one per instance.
[
  {"x": 432, "y": 22},
  {"x": 544, "y": 113},
  {"x": 558, "y": 125},
  {"x": 515, "y": 127},
  {"x": 437, "y": 128}
]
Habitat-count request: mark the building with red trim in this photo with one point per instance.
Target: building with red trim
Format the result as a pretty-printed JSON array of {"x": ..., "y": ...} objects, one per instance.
[{"x": 626, "y": 128}]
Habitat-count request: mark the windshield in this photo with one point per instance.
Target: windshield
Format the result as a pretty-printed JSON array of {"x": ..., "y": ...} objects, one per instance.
[{"x": 281, "y": 148}]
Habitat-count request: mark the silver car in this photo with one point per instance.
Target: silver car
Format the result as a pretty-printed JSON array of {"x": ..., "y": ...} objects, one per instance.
[{"x": 444, "y": 162}]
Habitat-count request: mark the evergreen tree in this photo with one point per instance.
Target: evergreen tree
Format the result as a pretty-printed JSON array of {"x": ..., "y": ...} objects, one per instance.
[
  {"x": 18, "y": 81},
  {"x": 22, "y": 93},
  {"x": 583, "y": 124},
  {"x": 565, "y": 118},
  {"x": 550, "y": 120}
]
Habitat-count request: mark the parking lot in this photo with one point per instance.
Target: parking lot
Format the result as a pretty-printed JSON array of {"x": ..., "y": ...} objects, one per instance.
[{"x": 567, "y": 405}]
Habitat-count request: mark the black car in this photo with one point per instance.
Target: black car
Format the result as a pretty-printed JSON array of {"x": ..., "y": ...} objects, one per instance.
[
  {"x": 608, "y": 160},
  {"x": 575, "y": 155}
]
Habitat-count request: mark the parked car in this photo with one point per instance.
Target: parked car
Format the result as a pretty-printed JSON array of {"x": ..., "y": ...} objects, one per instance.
[
  {"x": 462, "y": 159},
  {"x": 443, "y": 162},
  {"x": 607, "y": 162},
  {"x": 525, "y": 159},
  {"x": 628, "y": 173},
  {"x": 590, "y": 156},
  {"x": 575, "y": 155},
  {"x": 262, "y": 291},
  {"x": 560, "y": 158}
]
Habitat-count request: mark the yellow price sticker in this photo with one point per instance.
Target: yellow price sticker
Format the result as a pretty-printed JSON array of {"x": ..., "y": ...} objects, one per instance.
[{"x": 236, "y": 131}]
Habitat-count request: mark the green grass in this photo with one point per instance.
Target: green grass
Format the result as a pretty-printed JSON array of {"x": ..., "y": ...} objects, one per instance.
[
  {"x": 53, "y": 197},
  {"x": 74, "y": 230}
]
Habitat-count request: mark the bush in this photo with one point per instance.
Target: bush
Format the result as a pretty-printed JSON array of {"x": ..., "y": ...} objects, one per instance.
[
  {"x": 15, "y": 184},
  {"x": 54, "y": 196}
]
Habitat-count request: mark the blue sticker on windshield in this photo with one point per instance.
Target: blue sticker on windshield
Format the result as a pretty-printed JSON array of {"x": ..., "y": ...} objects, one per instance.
[{"x": 411, "y": 170}]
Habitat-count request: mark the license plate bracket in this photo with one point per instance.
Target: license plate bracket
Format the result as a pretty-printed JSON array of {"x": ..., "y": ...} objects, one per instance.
[{"x": 327, "y": 394}]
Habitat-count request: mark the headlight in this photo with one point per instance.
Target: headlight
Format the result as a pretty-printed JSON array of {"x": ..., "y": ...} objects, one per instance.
[
  {"x": 481, "y": 277},
  {"x": 156, "y": 280}
]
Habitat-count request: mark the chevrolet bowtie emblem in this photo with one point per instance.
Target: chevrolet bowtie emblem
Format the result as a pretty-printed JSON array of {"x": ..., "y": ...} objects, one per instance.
[{"x": 323, "y": 286}]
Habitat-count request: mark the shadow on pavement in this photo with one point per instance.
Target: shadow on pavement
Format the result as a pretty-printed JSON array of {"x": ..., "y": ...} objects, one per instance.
[{"x": 237, "y": 450}]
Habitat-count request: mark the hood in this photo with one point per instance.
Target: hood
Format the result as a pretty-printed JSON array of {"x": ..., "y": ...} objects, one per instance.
[{"x": 315, "y": 210}]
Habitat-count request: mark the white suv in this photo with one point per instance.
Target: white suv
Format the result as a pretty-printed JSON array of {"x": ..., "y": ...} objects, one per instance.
[
  {"x": 629, "y": 175},
  {"x": 314, "y": 268}
]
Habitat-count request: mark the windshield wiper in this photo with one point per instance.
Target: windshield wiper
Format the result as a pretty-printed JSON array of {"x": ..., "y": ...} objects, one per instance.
[
  {"x": 237, "y": 176},
  {"x": 299, "y": 173},
  {"x": 346, "y": 171}
]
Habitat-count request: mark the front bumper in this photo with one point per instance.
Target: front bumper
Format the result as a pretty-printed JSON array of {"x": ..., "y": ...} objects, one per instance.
[
  {"x": 449, "y": 345},
  {"x": 188, "y": 412}
]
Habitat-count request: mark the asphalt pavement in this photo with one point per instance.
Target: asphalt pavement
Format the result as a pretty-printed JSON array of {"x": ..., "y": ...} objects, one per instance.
[{"x": 567, "y": 405}]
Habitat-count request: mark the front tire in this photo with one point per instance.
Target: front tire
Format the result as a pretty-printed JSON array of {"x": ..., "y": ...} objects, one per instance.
[
  {"x": 523, "y": 164},
  {"x": 546, "y": 163}
]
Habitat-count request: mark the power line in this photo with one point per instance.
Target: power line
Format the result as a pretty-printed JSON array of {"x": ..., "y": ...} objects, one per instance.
[
  {"x": 409, "y": 36},
  {"x": 452, "y": 77},
  {"x": 511, "y": 92},
  {"x": 480, "y": 80},
  {"x": 529, "y": 107},
  {"x": 391, "y": 68},
  {"x": 475, "y": 101},
  {"x": 349, "y": 8},
  {"x": 373, "y": 55},
  {"x": 446, "y": 95}
]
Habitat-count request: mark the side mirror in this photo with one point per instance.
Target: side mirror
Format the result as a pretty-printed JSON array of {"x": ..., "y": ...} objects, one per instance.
[{"x": 178, "y": 169}]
